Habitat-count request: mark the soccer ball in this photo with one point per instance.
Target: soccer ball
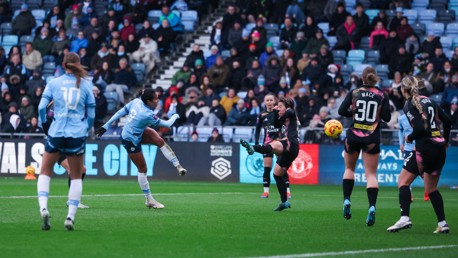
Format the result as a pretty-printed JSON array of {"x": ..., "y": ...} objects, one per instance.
[{"x": 333, "y": 128}]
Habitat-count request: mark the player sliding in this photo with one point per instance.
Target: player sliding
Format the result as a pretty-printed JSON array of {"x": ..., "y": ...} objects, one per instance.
[
  {"x": 74, "y": 112},
  {"x": 266, "y": 121},
  {"x": 136, "y": 131},
  {"x": 366, "y": 105},
  {"x": 286, "y": 149},
  {"x": 428, "y": 157}
]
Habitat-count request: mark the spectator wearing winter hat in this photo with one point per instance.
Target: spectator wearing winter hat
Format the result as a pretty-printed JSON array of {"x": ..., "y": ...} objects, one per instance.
[
  {"x": 325, "y": 57},
  {"x": 287, "y": 33},
  {"x": 269, "y": 52},
  {"x": 127, "y": 29},
  {"x": 219, "y": 74},
  {"x": 24, "y": 22},
  {"x": 73, "y": 19},
  {"x": 258, "y": 41},
  {"x": 211, "y": 60},
  {"x": 259, "y": 27}
]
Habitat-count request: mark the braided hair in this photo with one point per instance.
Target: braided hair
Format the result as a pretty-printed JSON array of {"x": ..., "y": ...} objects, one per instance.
[{"x": 411, "y": 85}]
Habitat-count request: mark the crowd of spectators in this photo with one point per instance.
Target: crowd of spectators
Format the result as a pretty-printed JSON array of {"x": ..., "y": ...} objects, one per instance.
[{"x": 226, "y": 86}]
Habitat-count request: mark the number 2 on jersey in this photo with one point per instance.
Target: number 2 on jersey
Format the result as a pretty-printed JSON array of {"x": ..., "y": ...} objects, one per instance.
[
  {"x": 366, "y": 110},
  {"x": 432, "y": 121}
]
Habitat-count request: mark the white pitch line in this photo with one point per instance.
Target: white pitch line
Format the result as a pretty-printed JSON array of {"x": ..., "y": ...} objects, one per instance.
[
  {"x": 383, "y": 250},
  {"x": 119, "y": 195}
]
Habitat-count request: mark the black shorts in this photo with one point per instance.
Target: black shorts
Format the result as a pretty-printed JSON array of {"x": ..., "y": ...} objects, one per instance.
[
  {"x": 130, "y": 147},
  {"x": 290, "y": 152},
  {"x": 66, "y": 145},
  {"x": 352, "y": 146},
  {"x": 431, "y": 161}
]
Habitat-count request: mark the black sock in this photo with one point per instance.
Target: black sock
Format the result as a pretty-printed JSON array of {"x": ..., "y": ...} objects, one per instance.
[
  {"x": 70, "y": 180},
  {"x": 404, "y": 200},
  {"x": 438, "y": 205},
  {"x": 372, "y": 196},
  {"x": 281, "y": 187},
  {"x": 266, "y": 177},
  {"x": 263, "y": 149},
  {"x": 286, "y": 178},
  {"x": 347, "y": 186}
]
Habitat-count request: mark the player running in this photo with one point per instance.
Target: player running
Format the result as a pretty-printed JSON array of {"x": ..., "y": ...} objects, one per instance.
[
  {"x": 74, "y": 113},
  {"x": 428, "y": 157},
  {"x": 266, "y": 121},
  {"x": 286, "y": 148},
  {"x": 136, "y": 131},
  {"x": 366, "y": 105}
]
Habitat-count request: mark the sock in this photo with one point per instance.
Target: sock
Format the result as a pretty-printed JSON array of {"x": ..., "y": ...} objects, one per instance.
[
  {"x": 263, "y": 149},
  {"x": 404, "y": 200},
  {"x": 372, "y": 196},
  {"x": 281, "y": 188},
  {"x": 438, "y": 205},
  {"x": 286, "y": 178},
  {"x": 266, "y": 178},
  {"x": 70, "y": 180},
  {"x": 170, "y": 155},
  {"x": 43, "y": 191},
  {"x": 74, "y": 197},
  {"x": 347, "y": 185},
  {"x": 442, "y": 223},
  {"x": 144, "y": 185}
]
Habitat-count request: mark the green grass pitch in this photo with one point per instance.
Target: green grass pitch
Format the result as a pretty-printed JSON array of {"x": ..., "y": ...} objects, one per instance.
[{"x": 216, "y": 220}]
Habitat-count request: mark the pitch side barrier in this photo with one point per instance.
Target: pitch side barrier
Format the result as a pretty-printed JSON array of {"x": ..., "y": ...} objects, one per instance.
[{"x": 222, "y": 162}]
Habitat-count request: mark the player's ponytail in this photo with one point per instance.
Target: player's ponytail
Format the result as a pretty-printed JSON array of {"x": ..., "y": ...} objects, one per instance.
[
  {"x": 370, "y": 77},
  {"x": 411, "y": 85},
  {"x": 72, "y": 63}
]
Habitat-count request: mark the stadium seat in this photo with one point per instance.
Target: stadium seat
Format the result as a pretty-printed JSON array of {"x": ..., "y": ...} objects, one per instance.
[
  {"x": 324, "y": 26},
  {"x": 39, "y": 15},
  {"x": 250, "y": 26},
  {"x": 10, "y": 40},
  {"x": 346, "y": 70},
  {"x": 382, "y": 71},
  {"x": 420, "y": 4},
  {"x": 156, "y": 26},
  {"x": 225, "y": 53},
  {"x": 446, "y": 16},
  {"x": 182, "y": 134},
  {"x": 153, "y": 16},
  {"x": 446, "y": 41},
  {"x": 386, "y": 84},
  {"x": 449, "y": 53},
  {"x": 452, "y": 29},
  {"x": 227, "y": 133},
  {"x": 16, "y": 13},
  {"x": 141, "y": 67},
  {"x": 339, "y": 56},
  {"x": 112, "y": 101},
  {"x": 245, "y": 133},
  {"x": 332, "y": 41},
  {"x": 356, "y": 56},
  {"x": 138, "y": 27},
  {"x": 6, "y": 28},
  {"x": 438, "y": 5},
  {"x": 33, "y": 4},
  {"x": 372, "y": 13},
  {"x": 364, "y": 43},
  {"x": 7, "y": 49},
  {"x": 49, "y": 68},
  {"x": 272, "y": 29},
  {"x": 436, "y": 27},
  {"x": 188, "y": 26},
  {"x": 411, "y": 15},
  {"x": 350, "y": 4},
  {"x": 419, "y": 29},
  {"x": 359, "y": 68},
  {"x": 49, "y": 4},
  {"x": 366, "y": 3},
  {"x": 436, "y": 97},
  {"x": 426, "y": 16},
  {"x": 275, "y": 41},
  {"x": 455, "y": 42},
  {"x": 190, "y": 15},
  {"x": 48, "y": 78},
  {"x": 373, "y": 57},
  {"x": 24, "y": 39}
]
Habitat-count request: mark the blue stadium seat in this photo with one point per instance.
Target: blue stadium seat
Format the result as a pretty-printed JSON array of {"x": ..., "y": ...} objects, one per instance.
[
  {"x": 225, "y": 53},
  {"x": 436, "y": 97},
  {"x": 112, "y": 100},
  {"x": 49, "y": 4},
  {"x": 139, "y": 70},
  {"x": 245, "y": 133},
  {"x": 272, "y": 29},
  {"x": 339, "y": 56},
  {"x": 6, "y": 28},
  {"x": 373, "y": 57},
  {"x": 436, "y": 27},
  {"x": 188, "y": 25},
  {"x": 446, "y": 16},
  {"x": 182, "y": 134},
  {"x": 138, "y": 27},
  {"x": 449, "y": 53},
  {"x": 324, "y": 26},
  {"x": 10, "y": 40},
  {"x": 382, "y": 71},
  {"x": 359, "y": 68},
  {"x": 372, "y": 13},
  {"x": 49, "y": 68},
  {"x": 250, "y": 26},
  {"x": 420, "y": 4},
  {"x": 356, "y": 56},
  {"x": 438, "y": 5},
  {"x": 426, "y": 16},
  {"x": 24, "y": 39},
  {"x": 190, "y": 15},
  {"x": 364, "y": 45},
  {"x": 205, "y": 132},
  {"x": 452, "y": 29},
  {"x": 346, "y": 70},
  {"x": 48, "y": 78},
  {"x": 446, "y": 41},
  {"x": 350, "y": 4},
  {"x": 332, "y": 41},
  {"x": 39, "y": 14},
  {"x": 411, "y": 15},
  {"x": 455, "y": 42},
  {"x": 153, "y": 16},
  {"x": 419, "y": 29},
  {"x": 33, "y": 4},
  {"x": 386, "y": 84},
  {"x": 227, "y": 133},
  {"x": 275, "y": 41}
]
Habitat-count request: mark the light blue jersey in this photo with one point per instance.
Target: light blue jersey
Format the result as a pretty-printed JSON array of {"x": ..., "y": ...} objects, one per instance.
[
  {"x": 139, "y": 117},
  {"x": 405, "y": 129},
  {"x": 74, "y": 108}
]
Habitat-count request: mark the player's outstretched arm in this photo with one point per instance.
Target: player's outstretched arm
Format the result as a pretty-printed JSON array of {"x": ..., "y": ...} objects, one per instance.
[{"x": 168, "y": 123}]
